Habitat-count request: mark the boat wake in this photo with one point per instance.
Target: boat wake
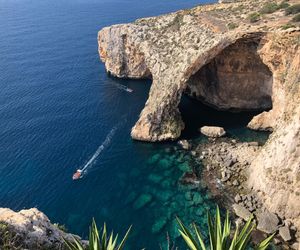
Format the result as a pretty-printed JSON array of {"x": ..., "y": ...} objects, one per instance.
[
  {"x": 84, "y": 170},
  {"x": 123, "y": 87}
]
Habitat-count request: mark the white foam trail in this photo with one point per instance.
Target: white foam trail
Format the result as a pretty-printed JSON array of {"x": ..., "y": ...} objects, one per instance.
[
  {"x": 101, "y": 148},
  {"x": 122, "y": 87}
]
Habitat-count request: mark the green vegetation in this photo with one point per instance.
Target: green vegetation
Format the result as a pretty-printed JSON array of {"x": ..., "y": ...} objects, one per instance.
[
  {"x": 96, "y": 243},
  {"x": 283, "y": 5},
  {"x": 61, "y": 227},
  {"x": 8, "y": 239},
  {"x": 287, "y": 26},
  {"x": 269, "y": 8},
  {"x": 232, "y": 26},
  {"x": 254, "y": 17},
  {"x": 296, "y": 18},
  {"x": 220, "y": 238},
  {"x": 273, "y": 6},
  {"x": 293, "y": 9}
]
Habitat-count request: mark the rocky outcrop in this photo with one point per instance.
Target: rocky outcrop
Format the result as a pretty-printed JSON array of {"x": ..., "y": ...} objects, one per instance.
[
  {"x": 212, "y": 131},
  {"x": 216, "y": 55},
  {"x": 194, "y": 51},
  {"x": 30, "y": 229}
]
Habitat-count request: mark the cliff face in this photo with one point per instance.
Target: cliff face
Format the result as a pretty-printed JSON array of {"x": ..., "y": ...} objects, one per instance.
[
  {"x": 275, "y": 173},
  {"x": 30, "y": 229},
  {"x": 216, "y": 55},
  {"x": 196, "y": 51}
]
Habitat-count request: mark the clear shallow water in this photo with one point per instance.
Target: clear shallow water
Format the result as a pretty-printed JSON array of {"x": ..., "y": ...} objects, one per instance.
[{"x": 57, "y": 106}]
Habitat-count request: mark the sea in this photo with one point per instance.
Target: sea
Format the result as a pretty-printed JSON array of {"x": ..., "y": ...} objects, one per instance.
[{"x": 60, "y": 111}]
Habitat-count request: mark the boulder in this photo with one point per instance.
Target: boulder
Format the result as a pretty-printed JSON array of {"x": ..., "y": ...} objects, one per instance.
[
  {"x": 159, "y": 225},
  {"x": 235, "y": 183},
  {"x": 237, "y": 198},
  {"x": 267, "y": 222},
  {"x": 142, "y": 201},
  {"x": 285, "y": 233},
  {"x": 212, "y": 131},
  {"x": 241, "y": 212}
]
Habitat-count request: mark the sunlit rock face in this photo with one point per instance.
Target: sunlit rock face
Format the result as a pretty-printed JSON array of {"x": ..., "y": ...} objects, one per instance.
[
  {"x": 248, "y": 67},
  {"x": 193, "y": 51},
  {"x": 236, "y": 79}
]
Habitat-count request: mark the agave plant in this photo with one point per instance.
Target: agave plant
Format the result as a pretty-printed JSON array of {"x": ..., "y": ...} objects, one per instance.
[
  {"x": 220, "y": 237},
  {"x": 96, "y": 242}
]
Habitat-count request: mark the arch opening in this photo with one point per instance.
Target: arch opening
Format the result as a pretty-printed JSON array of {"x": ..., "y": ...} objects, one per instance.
[
  {"x": 229, "y": 90},
  {"x": 236, "y": 79}
]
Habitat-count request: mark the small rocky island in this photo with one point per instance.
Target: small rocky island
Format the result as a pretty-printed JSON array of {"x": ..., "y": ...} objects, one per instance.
[{"x": 237, "y": 56}]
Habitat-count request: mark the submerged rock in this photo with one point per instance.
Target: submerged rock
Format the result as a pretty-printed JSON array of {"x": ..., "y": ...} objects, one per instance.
[
  {"x": 165, "y": 163},
  {"x": 159, "y": 225},
  {"x": 188, "y": 196},
  {"x": 142, "y": 201},
  {"x": 185, "y": 144},
  {"x": 153, "y": 159},
  {"x": 184, "y": 167},
  {"x": 212, "y": 131},
  {"x": 197, "y": 199},
  {"x": 164, "y": 195},
  {"x": 155, "y": 178}
]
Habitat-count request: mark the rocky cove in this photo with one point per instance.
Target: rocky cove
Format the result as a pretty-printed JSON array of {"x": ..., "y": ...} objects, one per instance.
[
  {"x": 212, "y": 55},
  {"x": 251, "y": 67}
]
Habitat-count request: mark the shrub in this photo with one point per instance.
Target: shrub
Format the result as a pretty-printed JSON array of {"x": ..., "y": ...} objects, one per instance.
[
  {"x": 293, "y": 9},
  {"x": 61, "y": 227},
  {"x": 9, "y": 240},
  {"x": 269, "y": 8},
  {"x": 287, "y": 26},
  {"x": 283, "y": 5},
  {"x": 254, "y": 17},
  {"x": 232, "y": 26},
  {"x": 219, "y": 235},
  {"x": 96, "y": 243},
  {"x": 296, "y": 18}
]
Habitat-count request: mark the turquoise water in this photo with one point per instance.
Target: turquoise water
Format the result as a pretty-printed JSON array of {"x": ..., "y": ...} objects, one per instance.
[{"x": 57, "y": 107}]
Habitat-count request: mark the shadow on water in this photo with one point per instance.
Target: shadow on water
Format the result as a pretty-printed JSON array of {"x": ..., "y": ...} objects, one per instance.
[{"x": 196, "y": 114}]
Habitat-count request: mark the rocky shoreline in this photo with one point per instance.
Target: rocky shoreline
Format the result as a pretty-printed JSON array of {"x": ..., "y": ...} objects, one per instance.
[
  {"x": 31, "y": 229},
  {"x": 225, "y": 171}
]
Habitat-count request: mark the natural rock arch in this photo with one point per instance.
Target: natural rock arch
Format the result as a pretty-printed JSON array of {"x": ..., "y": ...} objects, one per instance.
[{"x": 235, "y": 79}]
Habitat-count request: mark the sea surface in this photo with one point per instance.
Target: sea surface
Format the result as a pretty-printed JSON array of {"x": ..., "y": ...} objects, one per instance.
[{"x": 58, "y": 106}]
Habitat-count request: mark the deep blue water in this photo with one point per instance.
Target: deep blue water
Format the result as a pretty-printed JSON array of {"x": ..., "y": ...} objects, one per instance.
[{"x": 57, "y": 106}]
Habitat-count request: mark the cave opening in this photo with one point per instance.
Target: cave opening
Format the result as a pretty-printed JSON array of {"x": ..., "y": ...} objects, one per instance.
[{"x": 228, "y": 91}]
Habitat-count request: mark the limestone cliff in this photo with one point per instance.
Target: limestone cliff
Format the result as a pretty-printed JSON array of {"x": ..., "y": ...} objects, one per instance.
[
  {"x": 229, "y": 57},
  {"x": 210, "y": 52},
  {"x": 29, "y": 229}
]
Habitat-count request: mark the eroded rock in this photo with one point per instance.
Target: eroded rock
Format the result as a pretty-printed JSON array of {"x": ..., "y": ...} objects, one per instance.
[
  {"x": 212, "y": 131},
  {"x": 267, "y": 222},
  {"x": 33, "y": 229},
  {"x": 241, "y": 212}
]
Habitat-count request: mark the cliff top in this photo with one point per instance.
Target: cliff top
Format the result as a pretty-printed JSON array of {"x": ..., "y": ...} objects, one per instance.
[{"x": 260, "y": 15}]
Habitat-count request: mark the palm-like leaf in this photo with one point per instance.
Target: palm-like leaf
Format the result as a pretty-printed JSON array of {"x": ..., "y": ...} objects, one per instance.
[
  {"x": 97, "y": 243},
  {"x": 219, "y": 235}
]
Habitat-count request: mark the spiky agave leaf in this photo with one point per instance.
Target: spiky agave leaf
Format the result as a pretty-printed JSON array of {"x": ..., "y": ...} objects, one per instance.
[
  {"x": 122, "y": 244},
  {"x": 96, "y": 242},
  {"x": 265, "y": 243},
  {"x": 187, "y": 236},
  {"x": 219, "y": 235}
]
